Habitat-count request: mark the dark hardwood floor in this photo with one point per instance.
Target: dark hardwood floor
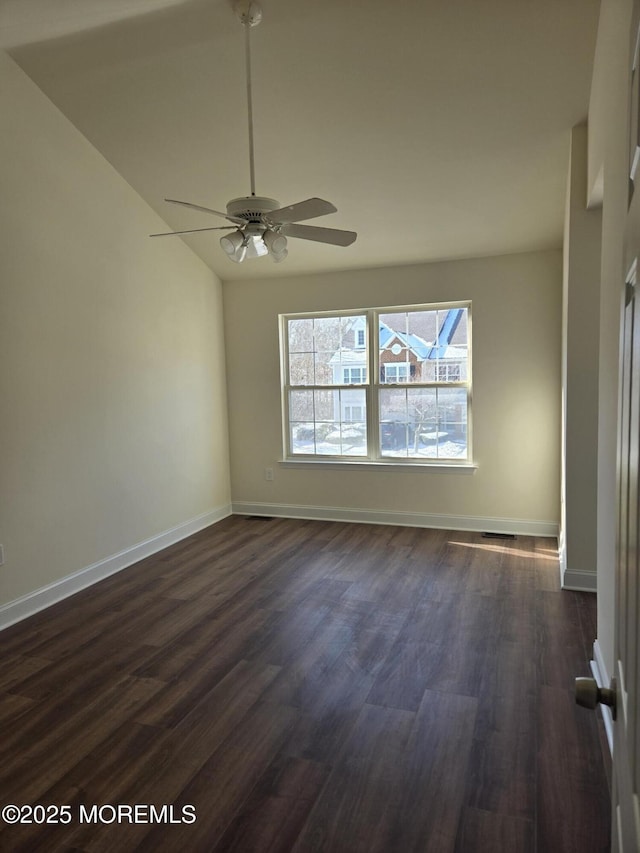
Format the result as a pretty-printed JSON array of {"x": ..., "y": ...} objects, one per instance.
[{"x": 310, "y": 686}]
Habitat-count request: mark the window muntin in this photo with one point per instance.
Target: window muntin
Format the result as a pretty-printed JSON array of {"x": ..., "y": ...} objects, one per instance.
[{"x": 416, "y": 408}]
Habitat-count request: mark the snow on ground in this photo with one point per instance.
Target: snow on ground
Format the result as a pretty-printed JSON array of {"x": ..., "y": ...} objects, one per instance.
[{"x": 444, "y": 450}]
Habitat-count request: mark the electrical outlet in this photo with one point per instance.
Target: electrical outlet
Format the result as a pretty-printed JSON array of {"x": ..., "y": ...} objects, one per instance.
[
  {"x": 268, "y": 473},
  {"x": 1, "y": 555}
]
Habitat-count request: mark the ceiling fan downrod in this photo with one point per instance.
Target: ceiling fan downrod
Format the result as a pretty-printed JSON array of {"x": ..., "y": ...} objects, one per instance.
[
  {"x": 260, "y": 226},
  {"x": 249, "y": 14}
]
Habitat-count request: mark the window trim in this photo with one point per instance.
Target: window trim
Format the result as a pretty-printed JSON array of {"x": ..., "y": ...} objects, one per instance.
[{"x": 372, "y": 396}]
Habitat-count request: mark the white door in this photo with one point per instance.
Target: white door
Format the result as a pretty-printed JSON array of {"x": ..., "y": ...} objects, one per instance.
[
  {"x": 626, "y": 763},
  {"x": 626, "y": 750}
]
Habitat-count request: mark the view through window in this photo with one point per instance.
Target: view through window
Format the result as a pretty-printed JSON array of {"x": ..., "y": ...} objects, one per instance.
[{"x": 382, "y": 385}]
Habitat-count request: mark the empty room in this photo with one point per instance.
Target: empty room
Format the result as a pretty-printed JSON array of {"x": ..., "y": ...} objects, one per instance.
[{"x": 320, "y": 426}]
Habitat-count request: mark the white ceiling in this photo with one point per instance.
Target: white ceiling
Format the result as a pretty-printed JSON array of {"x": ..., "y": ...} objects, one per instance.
[{"x": 438, "y": 128}]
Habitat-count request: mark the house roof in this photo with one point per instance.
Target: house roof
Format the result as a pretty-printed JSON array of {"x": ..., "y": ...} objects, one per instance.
[
  {"x": 349, "y": 356},
  {"x": 423, "y": 350},
  {"x": 446, "y": 334},
  {"x": 413, "y": 342}
]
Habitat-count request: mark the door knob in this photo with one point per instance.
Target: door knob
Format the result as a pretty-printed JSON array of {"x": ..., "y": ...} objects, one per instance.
[{"x": 588, "y": 694}]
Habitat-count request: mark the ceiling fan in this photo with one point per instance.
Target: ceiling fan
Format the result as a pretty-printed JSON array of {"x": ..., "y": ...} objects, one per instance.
[{"x": 260, "y": 225}]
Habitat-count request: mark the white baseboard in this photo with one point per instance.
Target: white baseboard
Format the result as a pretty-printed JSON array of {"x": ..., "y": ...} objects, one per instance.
[
  {"x": 574, "y": 579},
  {"x": 524, "y": 527},
  {"x": 579, "y": 581},
  {"x": 33, "y": 602},
  {"x": 603, "y": 679},
  {"x": 562, "y": 554}
]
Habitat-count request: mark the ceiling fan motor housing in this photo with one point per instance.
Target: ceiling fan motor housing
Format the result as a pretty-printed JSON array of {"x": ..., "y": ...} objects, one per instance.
[{"x": 252, "y": 207}]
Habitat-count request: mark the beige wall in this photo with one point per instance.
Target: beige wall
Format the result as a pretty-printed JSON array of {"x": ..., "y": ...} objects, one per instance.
[
  {"x": 516, "y": 403},
  {"x": 112, "y": 395},
  {"x": 581, "y": 334}
]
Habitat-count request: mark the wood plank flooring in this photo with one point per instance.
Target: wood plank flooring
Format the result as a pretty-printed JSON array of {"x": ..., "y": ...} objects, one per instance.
[{"x": 310, "y": 686}]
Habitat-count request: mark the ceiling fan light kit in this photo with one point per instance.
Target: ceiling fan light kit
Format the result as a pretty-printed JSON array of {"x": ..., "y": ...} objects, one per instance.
[
  {"x": 231, "y": 243},
  {"x": 260, "y": 225},
  {"x": 275, "y": 243}
]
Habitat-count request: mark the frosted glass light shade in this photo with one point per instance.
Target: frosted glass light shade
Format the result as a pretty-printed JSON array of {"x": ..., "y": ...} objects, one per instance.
[
  {"x": 255, "y": 246},
  {"x": 239, "y": 255},
  {"x": 276, "y": 243},
  {"x": 232, "y": 242}
]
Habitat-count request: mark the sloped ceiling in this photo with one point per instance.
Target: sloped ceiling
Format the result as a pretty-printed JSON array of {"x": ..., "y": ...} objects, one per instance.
[{"x": 438, "y": 128}]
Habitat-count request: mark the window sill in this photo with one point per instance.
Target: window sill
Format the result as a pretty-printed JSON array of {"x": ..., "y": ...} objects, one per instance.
[{"x": 378, "y": 465}]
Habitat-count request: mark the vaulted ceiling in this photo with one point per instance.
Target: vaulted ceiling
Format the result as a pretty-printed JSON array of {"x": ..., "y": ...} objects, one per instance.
[{"x": 438, "y": 128}]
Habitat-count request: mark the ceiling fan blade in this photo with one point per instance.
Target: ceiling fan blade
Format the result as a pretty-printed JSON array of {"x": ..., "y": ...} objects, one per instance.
[
  {"x": 321, "y": 235},
  {"x": 206, "y": 210},
  {"x": 308, "y": 209},
  {"x": 195, "y": 230}
]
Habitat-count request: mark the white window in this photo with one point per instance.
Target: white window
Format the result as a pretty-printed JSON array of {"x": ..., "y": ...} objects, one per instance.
[
  {"x": 448, "y": 372},
  {"x": 354, "y": 375},
  {"x": 353, "y": 414},
  {"x": 408, "y": 398},
  {"x": 394, "y": 373}
]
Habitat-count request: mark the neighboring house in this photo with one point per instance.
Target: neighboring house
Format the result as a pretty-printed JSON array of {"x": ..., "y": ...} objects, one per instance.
[{"x": 404, "y": 357}]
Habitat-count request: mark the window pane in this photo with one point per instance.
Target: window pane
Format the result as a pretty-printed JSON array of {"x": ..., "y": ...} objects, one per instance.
[
  {"x": 452, "y": 423},
  {"x": 424, "y": 423},
  {"x": 423, "y": 324},
  {"x": 301, "y": 422},
  {"x": 432, "y": 344},
  {"x": 301, "y": 406},
  {"x": 328, "y": 423},
  {"x": 300, "y": 335},
  {"x": 448, "y": 359},
  {"x": 345, "y": 434},
  {"x": 301, "y": 368},
  {"x": 327, "y": 333},
  {"x": 405, "y": 340},
  {"x": 423, "y": 407},
  {"x": 393, "y": 422},
  {"x": 327, "y": 367},
  {"x": 321, "y": 349},
  {"x": 349, "y": 361}
]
